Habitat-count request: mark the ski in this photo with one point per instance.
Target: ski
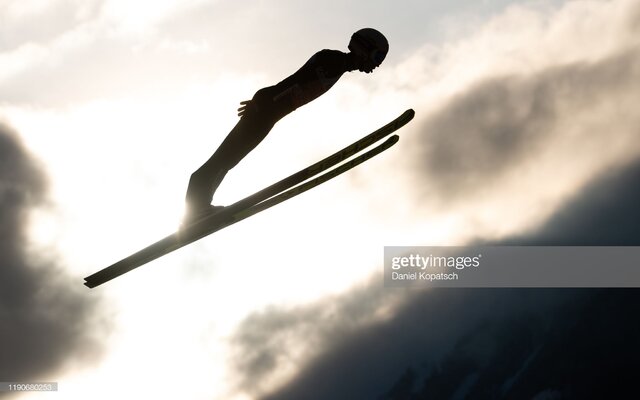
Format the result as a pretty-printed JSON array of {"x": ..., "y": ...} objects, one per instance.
[
  {"x": 257, "y": 202},
  {"x": 206, "y": 227}
]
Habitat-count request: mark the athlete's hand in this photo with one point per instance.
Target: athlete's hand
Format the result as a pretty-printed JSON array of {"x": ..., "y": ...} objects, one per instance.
[{"x": 244, "y": 106}]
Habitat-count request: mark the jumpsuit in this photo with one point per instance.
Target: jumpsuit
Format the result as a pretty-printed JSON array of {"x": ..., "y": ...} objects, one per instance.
[{"x": 267, "y": 107}]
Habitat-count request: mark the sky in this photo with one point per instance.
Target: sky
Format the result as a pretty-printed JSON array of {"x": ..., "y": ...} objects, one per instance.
[{"x": 525, "y": 132}]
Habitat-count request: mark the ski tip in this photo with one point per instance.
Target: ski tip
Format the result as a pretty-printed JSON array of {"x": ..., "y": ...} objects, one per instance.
[
  {"x": 410, "y": 113},
  {"x": 391, "y": 141}
]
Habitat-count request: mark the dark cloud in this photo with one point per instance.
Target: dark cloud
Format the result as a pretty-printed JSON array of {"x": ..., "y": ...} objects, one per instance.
[
  {"x": 584, "y": 347},
  {"x": 45, "y": 318},
  {"x": 483, "y": 133},
  {"x": 469, "y": 343},
  {"x": 366, "y": 362},
  {"x": 605, "y": 213},
  {"x": 262, "y": 337}
]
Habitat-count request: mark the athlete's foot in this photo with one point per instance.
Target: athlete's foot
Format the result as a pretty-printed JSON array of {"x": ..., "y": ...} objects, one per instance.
[{"x": 201, "y": 212}]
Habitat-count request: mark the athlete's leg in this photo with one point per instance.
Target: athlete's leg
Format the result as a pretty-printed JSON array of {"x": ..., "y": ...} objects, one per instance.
[{"x": 244, "y": 137}]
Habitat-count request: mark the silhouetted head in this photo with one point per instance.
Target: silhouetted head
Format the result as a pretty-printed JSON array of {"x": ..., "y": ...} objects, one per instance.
[{"x": 370, "y": 48}]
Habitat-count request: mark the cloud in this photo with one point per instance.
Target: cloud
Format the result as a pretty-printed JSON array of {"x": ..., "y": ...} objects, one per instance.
[
  {"x": 367, "y": 361},
  {"x": 604, "y": 213},
  {"x": 437, "y": 343},
  {"x": 40, "y": 22},
  {"x": 46, "y": 319},
  {"x": 71, "y": 53},
  {"x": 479, "y": 137},
  {"x": 516, "y": 117},
  {"x": 580, "y": 348},
  {"x": 268, "y": 346},
  {"x": 584, "y": 344}
]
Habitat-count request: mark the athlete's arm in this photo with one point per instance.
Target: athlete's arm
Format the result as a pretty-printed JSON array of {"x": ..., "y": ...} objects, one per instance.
[{"x": 244, "y": 106}]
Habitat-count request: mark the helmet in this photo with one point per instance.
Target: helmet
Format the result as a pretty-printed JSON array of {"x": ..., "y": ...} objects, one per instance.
[{"x": 369, "y": 43}]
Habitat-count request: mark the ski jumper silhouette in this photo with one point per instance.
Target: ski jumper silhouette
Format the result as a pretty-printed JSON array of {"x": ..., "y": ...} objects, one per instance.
[{"x": 368, "y": 48}]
